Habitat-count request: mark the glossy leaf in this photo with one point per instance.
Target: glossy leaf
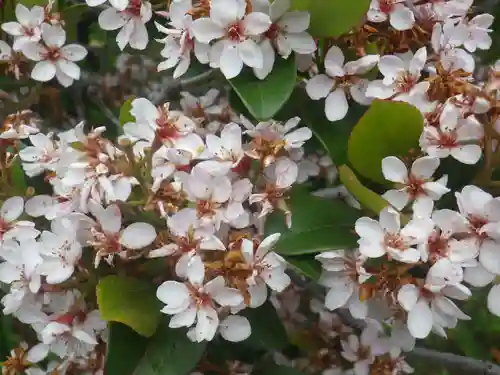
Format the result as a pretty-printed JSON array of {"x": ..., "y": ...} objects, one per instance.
[
  {"x": 386, "y": 129},
  {"x": 264, "y": 98},
  {"x": 170, "y": 352},
  {"x": 332, "y": 18},
  {"x": 268, "y": 331},
  {"x": 129, "y": 301},
  {"x": 18, "y": 178},
  {"x": 366, "y": 197},
  {"x": 305, "y": 264},
  {"x": 317, "y": 225},
  {"x": 122, "y": 357},
  {"x": 125, "y": 115}
]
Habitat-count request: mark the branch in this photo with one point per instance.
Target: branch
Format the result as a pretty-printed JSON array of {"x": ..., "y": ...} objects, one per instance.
[{"x": 462, "y": 365}]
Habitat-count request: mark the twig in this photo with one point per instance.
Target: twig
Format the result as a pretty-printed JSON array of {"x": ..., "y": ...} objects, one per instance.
[{"x": 462, "y": 365}]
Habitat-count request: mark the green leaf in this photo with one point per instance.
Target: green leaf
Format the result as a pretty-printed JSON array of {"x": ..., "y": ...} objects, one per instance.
[
  {"x": 366, "y": 197},
  {"x": 125, "y": 115},
  {"x": 268, "y": 331},
  {"x": 306, "y": 264},
  {"x": 386, "y": 129},
  {"x": 170, "y": 352},
  {"x": 71, "y": 16},
  {"x": 18, "y": 177},
  {"x": 122, "y": 357},
  {"x": 317, "y": 225},
  {"x": 332, "y": 18},
  {"x": 129, "y": 301},
  {"x": 264, "y": 98}
]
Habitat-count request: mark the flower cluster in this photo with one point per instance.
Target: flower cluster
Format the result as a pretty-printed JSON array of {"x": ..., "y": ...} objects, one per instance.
[{"x": 189, "y": 187}]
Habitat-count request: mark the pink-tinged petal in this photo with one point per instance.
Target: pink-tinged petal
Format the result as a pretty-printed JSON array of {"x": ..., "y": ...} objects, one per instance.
[
  {"x": 391, "y": 66},
  {"x": 420, "y": 320},
  {"x": 185, "y": 318},
  {"x": 319, "y": 86},
  {"x": 235, "y": 328},
  {"x": 336, "y": 105},
  {"x": 137, "y": 235},
  {"x": 53, "y": 35},
  {"x": 23, "y": 15},
  {"x": 119, "y": 4},
  {"x": 139, "y": 36},
  {"x": 394, "y": 169},
  {"x": 33, "y": 51},
  {"x": 390, "y": 220}
]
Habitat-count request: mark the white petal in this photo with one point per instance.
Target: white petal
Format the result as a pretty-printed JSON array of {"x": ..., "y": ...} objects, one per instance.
[
  {"x": 402, "y": 19},
  {"x": 494, "y": 300},
  {"x": 339, "y": 295},
  {"x": 74, "y": 52},
  {"x": 489, "y": 256},
  {"x": 319, "y": 86},
  {"x": 112, "y": 19},
  {"x": 420, "y": 320},
  {"x": 256, "y": 23},
  {"x": 251, "y": 54},
  {"x": 408, "y": 296},
  {"x": 43, "y": 71},
  {"x": 138, "y": 235},
  {"x": 230, "y": 62},
  {"x": 205, "y": 30},
  {"x": 394, "y": 169},
  {"x": 425, "y": 167},
  {"x": 69, "y": 68},
  {"x": 467, "y": 154},
  {"x": 235, "y": 328},
  {"x": 336, "y": 105},
  {"x": 478, "y": 276},
  {"x": 172, "y": 293},
  {"x": 12, "y": 209}
]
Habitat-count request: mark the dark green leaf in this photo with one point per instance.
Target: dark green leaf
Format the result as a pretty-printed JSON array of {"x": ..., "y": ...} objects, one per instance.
[
  {"x": 272, "y": 369},
  {"x": 332, "y": 18},
  {"x": 388, "y": 128},
  {"x": 317, "y": 225},
  {"x": 71, "y": 16},
  {"x": 268, "y": 331},
  {"x": 18, "y": 177},
  {"x": 125, "y": 350},
  {"x": 170, "y": 352},
  {"x": 306, "y": 264},
  {"x": 129, "y": 301},
  {"x": 264, "y": 98},
  {"x": 125, "y": 115}
]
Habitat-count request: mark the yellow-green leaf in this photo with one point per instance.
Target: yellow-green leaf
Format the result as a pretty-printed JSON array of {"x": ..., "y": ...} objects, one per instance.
[
  {"x": 125, "y": 115},
  {"x": 388, "y": 128},
  {"x": 129, "y": 301},
  {"x": 331, "y": 18}
]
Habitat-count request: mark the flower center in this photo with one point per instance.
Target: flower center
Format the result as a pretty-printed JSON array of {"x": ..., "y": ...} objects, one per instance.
[
  {"x": 134, "y": 8},
  {"x": 386, "y": 6},
  {"x": 415, "y": 186},
  {"x": 235, "y": 32},
  {"x": 273, "y": 31},
  {"x": 52, "y": 54},
  {"x": 437, "y": 247},
  {"x": 405, "y": 82}
]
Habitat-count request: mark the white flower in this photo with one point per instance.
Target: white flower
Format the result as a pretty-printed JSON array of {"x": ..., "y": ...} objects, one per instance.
[
  {"x": 226, "y": 149},
  {"x": 20, "y": 270},
  {"x": 266, "y": 267},
  {"x": 194, "y": 301},
  {"x": 160, "y": 122},
  {"x": 287, "y": 33},
  {"x": 428, "y": 309},
  {"x": 27, "y": 29},
  {"x": 234, "y": 31},
  {"x": 340, "y": 79},
  {"x": 53, "y": 58},
  {"x": 188, "y": 243},
  {"x": 416, "y": 185},
  {"x": 359, "y": 350},
  {"x": 179, "y": 42},
  {"x": 118, "y": 4},
  {"x": 41, "y": 156},
  {"x": 61, "y": 251},
  {"x": 19, "y": 125},
  {"x": 387, "y": 236},
  {"x": 401, "y": 77},
  {"x": 476, "y": 32},
  {"x": 342, "y": 274},
  {"x": 10, "y": 227},
  {"x": 400, "y": 17},
  {"x": 131, "y": 21},
  {"x": 455, "y": 136}
]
